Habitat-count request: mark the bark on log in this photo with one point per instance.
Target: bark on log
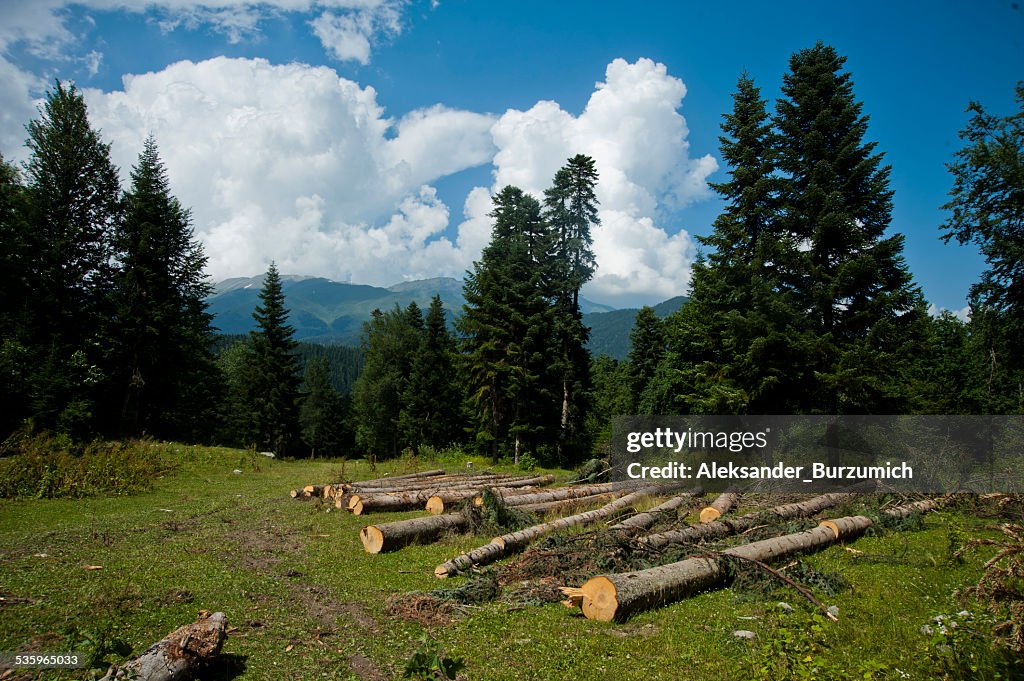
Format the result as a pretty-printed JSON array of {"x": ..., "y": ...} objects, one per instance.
[
  {"x": 416, "y": 499},
  {"x": 617, "y": 596},
  {"x": 719, "y": 507},
  {"x": 439, "y": 482},
  {"x": 573, "y": 503},
  {"x": 728, "y": 526},
  {"x": 178, "y": 655},
  {"x": 516, "y": 541},
  {"x": 560, "y": 494},
  {"x": 384, "y": 482},
  {"x": 907, "y": 510},
  {"x": 395, "y": 535},
  {"x": 642, "y": 521}
]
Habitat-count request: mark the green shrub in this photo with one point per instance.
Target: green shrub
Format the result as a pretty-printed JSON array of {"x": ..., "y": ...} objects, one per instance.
[{"x": 45, "y": 467}]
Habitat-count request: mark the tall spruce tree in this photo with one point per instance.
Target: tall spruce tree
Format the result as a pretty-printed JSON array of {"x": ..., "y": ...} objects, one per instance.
[
  {"x": 987, "y": 209},
  {"x": 862, "y": 313},
  {"x": 322, "y": 413},
  {"x": 570, "y": 209},
  {"x": 735, "y": 336},
  {"x": 647, "y": 350},
  {"x": 390, "y": 340},
  {"x": 15, "y": 303},
  {"x": 506, "y": 329},
  {"x": 74, "y": 202},
  {"x": 162, "y": 334},
  {"x": 272, "y": 391},
  {"x": 433, "y": 401}
]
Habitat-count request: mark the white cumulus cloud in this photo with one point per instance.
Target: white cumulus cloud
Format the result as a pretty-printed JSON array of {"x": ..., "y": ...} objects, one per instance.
[
  {"x": 633, "y": 129},
  {"x": 296, "y": 164}
]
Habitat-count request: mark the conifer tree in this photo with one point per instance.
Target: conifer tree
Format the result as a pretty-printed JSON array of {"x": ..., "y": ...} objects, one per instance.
[
  {"x": 322, "y": 413},
  {"x": 570, "y": 207},
  {"x": 73, "y": 197},
  {"x": 507, "y": 328},
  {"x": 15, "y": 303},
  {"x": 863, "y": 315},
  {"x": 162, "y": 336},
  {"x": 987, "y": 209},
  {"x": 647, "y": 349},
  {"x": 273, "y": 382},
  {"x": 432, "y": 403}
]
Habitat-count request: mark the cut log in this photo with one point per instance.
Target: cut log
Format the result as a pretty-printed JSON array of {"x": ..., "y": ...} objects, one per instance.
[
  {"x": 395, "y": 535},
  {"x": 719, "y": 507},
  {"x": 574, "y": 503},
  {"x": 908, "y": 510},
  {"x": 729, "y": 526},
  {"x": 618, "y": 596},
  {"x": 178, "y": 655},
  {"x": 384, "y": 482},
  {"x": 642, "y": 521},
  {"x": 516, "y": 541},
  {"x": 415, "y": 499},
  {"x": 561, "y": 493},
  {"x": 440, "y": 482}
]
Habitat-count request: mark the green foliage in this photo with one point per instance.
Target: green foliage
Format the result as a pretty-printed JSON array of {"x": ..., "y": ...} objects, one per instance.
[
  {"x": 961, "y": 646},
  {"x": 322, "y": 413},
  {"x": 429, "y": 663},
  {"x": 270, "y": 384},
  {"x": 164, "y": 381},
  {"x": 46, "y": 467}
]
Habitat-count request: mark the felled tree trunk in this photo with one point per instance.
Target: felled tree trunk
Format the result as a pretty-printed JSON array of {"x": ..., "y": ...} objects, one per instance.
[
  {"x": 722, "y": 504},
  {"x": 439, "y": 503},
  {"x": 384, "y": 482},
  {"x": 618, "y": 596},
  {"x": 516, "y": 541},
  {"x": 416, "y": 499},
  {"x": 642, "y": 521},
  {"x": 178, "y": 655},
  {"x": 395, "y": 535},
  {"x": 728, "y": 526},
  {"x": 572, "y": 503}
]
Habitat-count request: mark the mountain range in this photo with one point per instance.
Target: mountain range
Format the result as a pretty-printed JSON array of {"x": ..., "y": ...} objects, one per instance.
[{"x": 332, "y": 313}]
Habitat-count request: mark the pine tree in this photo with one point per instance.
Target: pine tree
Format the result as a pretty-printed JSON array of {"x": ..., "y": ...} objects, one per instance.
[
  {"x": 507, "y": 328},
  {"x": 863, "y": 315},
  {"x": 162, "y": 333},
  {"x": 73, "y": 197},
  {"x": 647, "y": 349},
  {"x": 15, "y": 300},
  {"x": 570, "y": 207},
  {"x": 432, "y": 402},
  {"x": 390, "y": 340},
  {"x": 987, "y": 206},
  {"x": 322, "y": 413},
  {"x": 272, "y": 391}
]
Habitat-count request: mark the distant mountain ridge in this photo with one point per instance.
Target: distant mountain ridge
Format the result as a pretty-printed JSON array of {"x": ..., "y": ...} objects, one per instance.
[{"x": 332, "y": 313}]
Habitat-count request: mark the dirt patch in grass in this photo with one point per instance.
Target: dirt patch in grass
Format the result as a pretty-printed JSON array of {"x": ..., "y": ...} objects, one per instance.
[{"x": 365, "y": 669}]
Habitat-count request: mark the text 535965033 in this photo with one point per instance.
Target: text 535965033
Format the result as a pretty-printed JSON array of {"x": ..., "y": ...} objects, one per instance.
[{"x": 41, "y": 660}]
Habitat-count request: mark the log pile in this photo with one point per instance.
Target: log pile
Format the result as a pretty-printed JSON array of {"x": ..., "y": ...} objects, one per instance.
[{"x": 616, "y": 597}]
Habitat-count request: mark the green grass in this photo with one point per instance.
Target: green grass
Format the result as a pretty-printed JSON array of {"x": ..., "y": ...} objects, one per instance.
[{"x": 309, "y": 603}]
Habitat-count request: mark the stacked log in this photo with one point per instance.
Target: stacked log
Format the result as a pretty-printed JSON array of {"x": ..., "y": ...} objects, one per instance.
[
  {"x": 514, "y": 542},
  {"x": 417, "y": 498},
  {"x": 723, "y": 528},
  {"x": 618, "y": 596}
]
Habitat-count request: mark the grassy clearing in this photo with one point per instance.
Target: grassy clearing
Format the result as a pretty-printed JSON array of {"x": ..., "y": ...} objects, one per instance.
[{"x": 309, "y": 603}]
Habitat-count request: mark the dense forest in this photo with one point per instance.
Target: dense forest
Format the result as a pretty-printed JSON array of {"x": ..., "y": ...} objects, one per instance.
[{"x": 801, "y": 303}]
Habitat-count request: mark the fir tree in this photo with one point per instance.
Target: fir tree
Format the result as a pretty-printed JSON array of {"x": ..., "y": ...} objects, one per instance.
[
  {"x": 570, "y": 207},
  {"x": 15, "y": 300},
  {"x": 647, "y": 349},
  {"x": 272, "y": 391},
  {"x": 162, "y": 334},
  {"x": 73, "y": 197},
  {"x": 322, "y": 414},
  {"x": 432, "y": 403},
  {"x": 987, "y": 209},
  {"x": 862, "y": 313},
  {"x": 506, "y": 327}
]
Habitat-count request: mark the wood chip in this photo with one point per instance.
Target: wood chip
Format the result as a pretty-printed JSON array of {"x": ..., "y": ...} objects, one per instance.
[{"x": 92, "y": 567}]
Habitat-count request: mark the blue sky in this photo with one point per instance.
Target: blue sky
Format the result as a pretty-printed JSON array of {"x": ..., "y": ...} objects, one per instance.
[{"x": 360, "y": 139}]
